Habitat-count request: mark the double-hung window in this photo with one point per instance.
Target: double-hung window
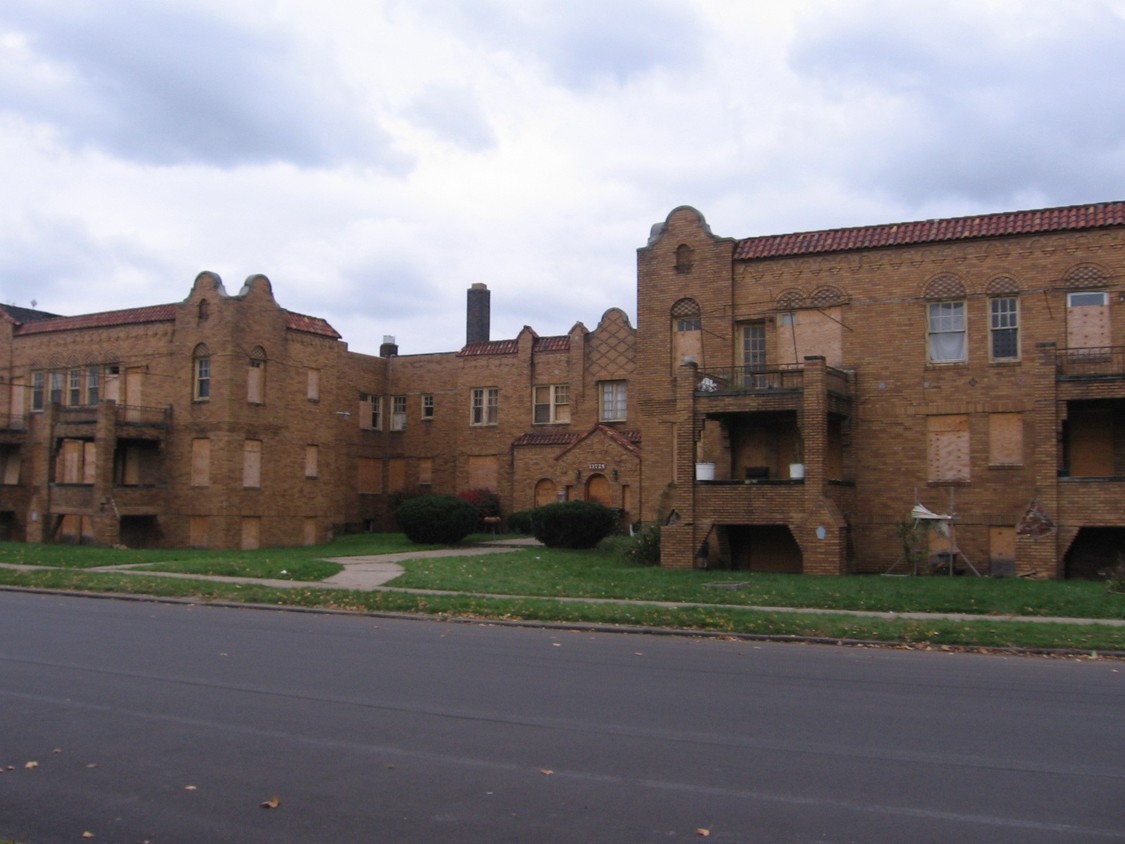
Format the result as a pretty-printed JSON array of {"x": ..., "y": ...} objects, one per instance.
[
  {"x": 612, "y": 401},
  {"x": 485, "y": 406},
  {"x": 551, "y": 404},
  {"x": 398, "y": 413},
  {"x": 428, "y": 406},
  {"x": 1005, "y": 327},
  {"x": 946, "y": 332}
]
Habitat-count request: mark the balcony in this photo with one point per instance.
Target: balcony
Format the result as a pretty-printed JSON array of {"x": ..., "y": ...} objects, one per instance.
[
  {"x": 13, "y": 428},
  {"x": 745, "y": 502},
  {"x": 143, "y": 423},
  {"x": 1106, "y": 362},
  {"x": 72, "y": 498},
  {"x": 776, "y": 388},
  {"x": 1093, "y": 501}
]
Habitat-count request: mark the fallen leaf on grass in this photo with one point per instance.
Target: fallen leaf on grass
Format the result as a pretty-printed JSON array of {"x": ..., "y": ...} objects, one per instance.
[
  {"x": 703, "y": 832},
  {"x": 32, "y": 764},
  {"x": 546, "y": 772},
  {"x": 272, "y": 803},
  {"x": 87, "y": 834}
]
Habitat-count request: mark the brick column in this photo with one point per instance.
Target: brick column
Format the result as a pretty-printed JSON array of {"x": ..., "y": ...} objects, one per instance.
[
  {"x": 679, "y": 540},
  {"x": 1037, "y": 535},
  {"x": 107, "y": 527}
]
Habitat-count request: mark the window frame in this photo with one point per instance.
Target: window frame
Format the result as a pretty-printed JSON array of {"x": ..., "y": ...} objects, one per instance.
[
  {"x": 398, "y": 413},
  {"x": 937, "y": 314},
  {"x": 427, "y": 406},
  {"x": 484, "y": 408},
  {"x": 999, "y": 333},
  {"x": 201, "y": 378},
  {"x": 93, "y": 384},
  {"x": 613, "y": 398},
  {"x": 38, "y": 391},
  {"x": 557, "y": 397}
]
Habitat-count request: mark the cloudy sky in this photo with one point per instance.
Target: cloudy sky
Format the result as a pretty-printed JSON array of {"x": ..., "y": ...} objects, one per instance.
[{"x": 376, "y": 157}]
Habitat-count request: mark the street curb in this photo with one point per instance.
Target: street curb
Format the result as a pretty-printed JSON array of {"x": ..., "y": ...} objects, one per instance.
[{"x": 590, "y": 627}]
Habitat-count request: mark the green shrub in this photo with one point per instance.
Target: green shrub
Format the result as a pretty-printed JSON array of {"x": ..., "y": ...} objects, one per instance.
[
  {"x": 520, "y": 521},
  {"x": 573, "y": 524},
  {"x": 437, "y": 519},
  {"x": 644, "y": 546}
]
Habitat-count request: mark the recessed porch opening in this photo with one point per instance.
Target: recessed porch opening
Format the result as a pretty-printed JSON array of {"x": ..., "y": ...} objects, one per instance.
[
  {"x": 1094, "y": 439},
  {"x": 140, "y": 531},
  {"x": 762, "y": 548},
  {"x": 1093, "y": 550},
  {"x": 752, "y": 446}
]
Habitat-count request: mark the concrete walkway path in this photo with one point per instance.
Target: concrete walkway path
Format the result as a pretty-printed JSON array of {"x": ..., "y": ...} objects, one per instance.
[{"x": 373, "y": 573}]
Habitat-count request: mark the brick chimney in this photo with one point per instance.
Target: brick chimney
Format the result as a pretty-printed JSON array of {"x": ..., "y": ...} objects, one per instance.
[{"x": 478, "y": 314}]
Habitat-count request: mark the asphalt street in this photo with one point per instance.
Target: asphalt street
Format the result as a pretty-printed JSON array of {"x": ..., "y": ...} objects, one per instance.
[{"x": 175, "y": 723}]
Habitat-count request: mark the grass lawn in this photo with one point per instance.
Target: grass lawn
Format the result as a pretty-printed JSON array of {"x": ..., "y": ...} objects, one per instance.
[{"x": 536, "y": 577}]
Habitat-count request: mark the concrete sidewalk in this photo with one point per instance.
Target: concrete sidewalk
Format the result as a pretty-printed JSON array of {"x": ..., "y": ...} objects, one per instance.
[{"x": 373, "y": 573}]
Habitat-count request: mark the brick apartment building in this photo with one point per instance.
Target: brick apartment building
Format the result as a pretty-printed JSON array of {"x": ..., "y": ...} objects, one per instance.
[{"x": 827, "y": 382}]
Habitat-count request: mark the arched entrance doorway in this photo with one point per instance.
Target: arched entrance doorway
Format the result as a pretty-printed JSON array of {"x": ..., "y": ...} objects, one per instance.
[
  {"x": 597, "y": 489},
  {"x": 545, "y": 492}
]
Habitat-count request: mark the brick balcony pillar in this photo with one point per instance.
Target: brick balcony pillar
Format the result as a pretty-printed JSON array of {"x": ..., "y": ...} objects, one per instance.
[
  {"x": 1037, "y": 534},
  {"x": 679, "y": 539}
]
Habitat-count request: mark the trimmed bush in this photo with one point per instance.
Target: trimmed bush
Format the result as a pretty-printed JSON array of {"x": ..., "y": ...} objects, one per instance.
[
  {"x": 573, "y": 524},
  {"x": 520, "y": 521},
  {"x": 437, "y": 519},
  {"x": 644, "y": 546}
]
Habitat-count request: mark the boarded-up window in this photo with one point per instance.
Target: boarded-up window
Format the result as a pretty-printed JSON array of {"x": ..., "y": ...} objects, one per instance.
[
  {"x": 810, "y": 332},
  {"x": 197, "y": 532},
  {"x": 256, "y": 377},
  {"x": 10, "y": 465},
  {"x": 1089, "y": 442},
  {"x": 251, "y": 533},
  {"x": 312, "y": 460},
  {"x": 545, "y": 492},
  {"x": 484, "y": 472},
  {"x": 309, "y": 532},
  {"x": 1005, "y": 439},
  {"x": 90, "y": 462},
  {"x": 370, "y": 412},
  {"x": 396, "y": 474},
  {"x": 131, "y": 466},
  {"x": 425, "y": 471},
  {"x": 200, "y": 462},
  {"x": 76, "y": 463},
  {"x": 1002, "y": 549},
  {"x": 1087, "y": 320},
  {"x": 370, "y": 476},
  {"x": 948, "y": 447},
  {"x": 312, "y": 388},
  {"x": 598, "y": 489},
  {"x": 252, "y": 464}
]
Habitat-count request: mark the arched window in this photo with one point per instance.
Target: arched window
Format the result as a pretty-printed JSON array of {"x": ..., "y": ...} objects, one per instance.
[
  {"x": 945, "y": 320},
  {"x": 256, "y": 377},
  {"x": 201, "y": 373},
  {"x": 684, "y": 258},
  {"x": 687, "y": 331}
]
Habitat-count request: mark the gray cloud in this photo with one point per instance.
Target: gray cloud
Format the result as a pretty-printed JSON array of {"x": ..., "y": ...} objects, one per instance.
[
  {"x": 582, "y": 43},
  {"x": 979, "y": 102},
  {"x": 169, "y": 84},
  {"x": 454, "y": 115}
]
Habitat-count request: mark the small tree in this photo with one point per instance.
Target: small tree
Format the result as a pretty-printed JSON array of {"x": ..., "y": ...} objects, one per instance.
[
  {"x": 573, "y": 524},
  {"x": 437, "y": 519},
  {"x": 486, "y": 501}
]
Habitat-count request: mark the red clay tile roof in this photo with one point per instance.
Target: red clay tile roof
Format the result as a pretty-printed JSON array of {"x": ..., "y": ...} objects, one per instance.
[
  {"x": 310, "y": 325},
  {"x": 106, "y": 319},
  {"x": 628, "y": 440},
  {"x": 546, "y": 438},
  {"x": 1070, "y": 218},
  {"x": 489, "y": 347},
  {"x": 511, "y": 347},
  {"x": 552, "y": 344}
]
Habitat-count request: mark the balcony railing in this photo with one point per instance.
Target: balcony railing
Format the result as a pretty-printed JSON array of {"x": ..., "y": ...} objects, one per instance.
[
  {"x": 1094, "y": 362},
  {"x": 13, "y": 421},
  {"x": 741, "y": 380},
  {"x": 130, "y": 414},
  {"x": 737, "y": 380}
]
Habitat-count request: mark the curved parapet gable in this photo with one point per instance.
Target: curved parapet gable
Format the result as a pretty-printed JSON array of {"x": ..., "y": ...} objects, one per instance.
[
  {"x": 684, "y": 215},
  {"x": 208, "y": 283},
  {"x": 256, "y": 284}
]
